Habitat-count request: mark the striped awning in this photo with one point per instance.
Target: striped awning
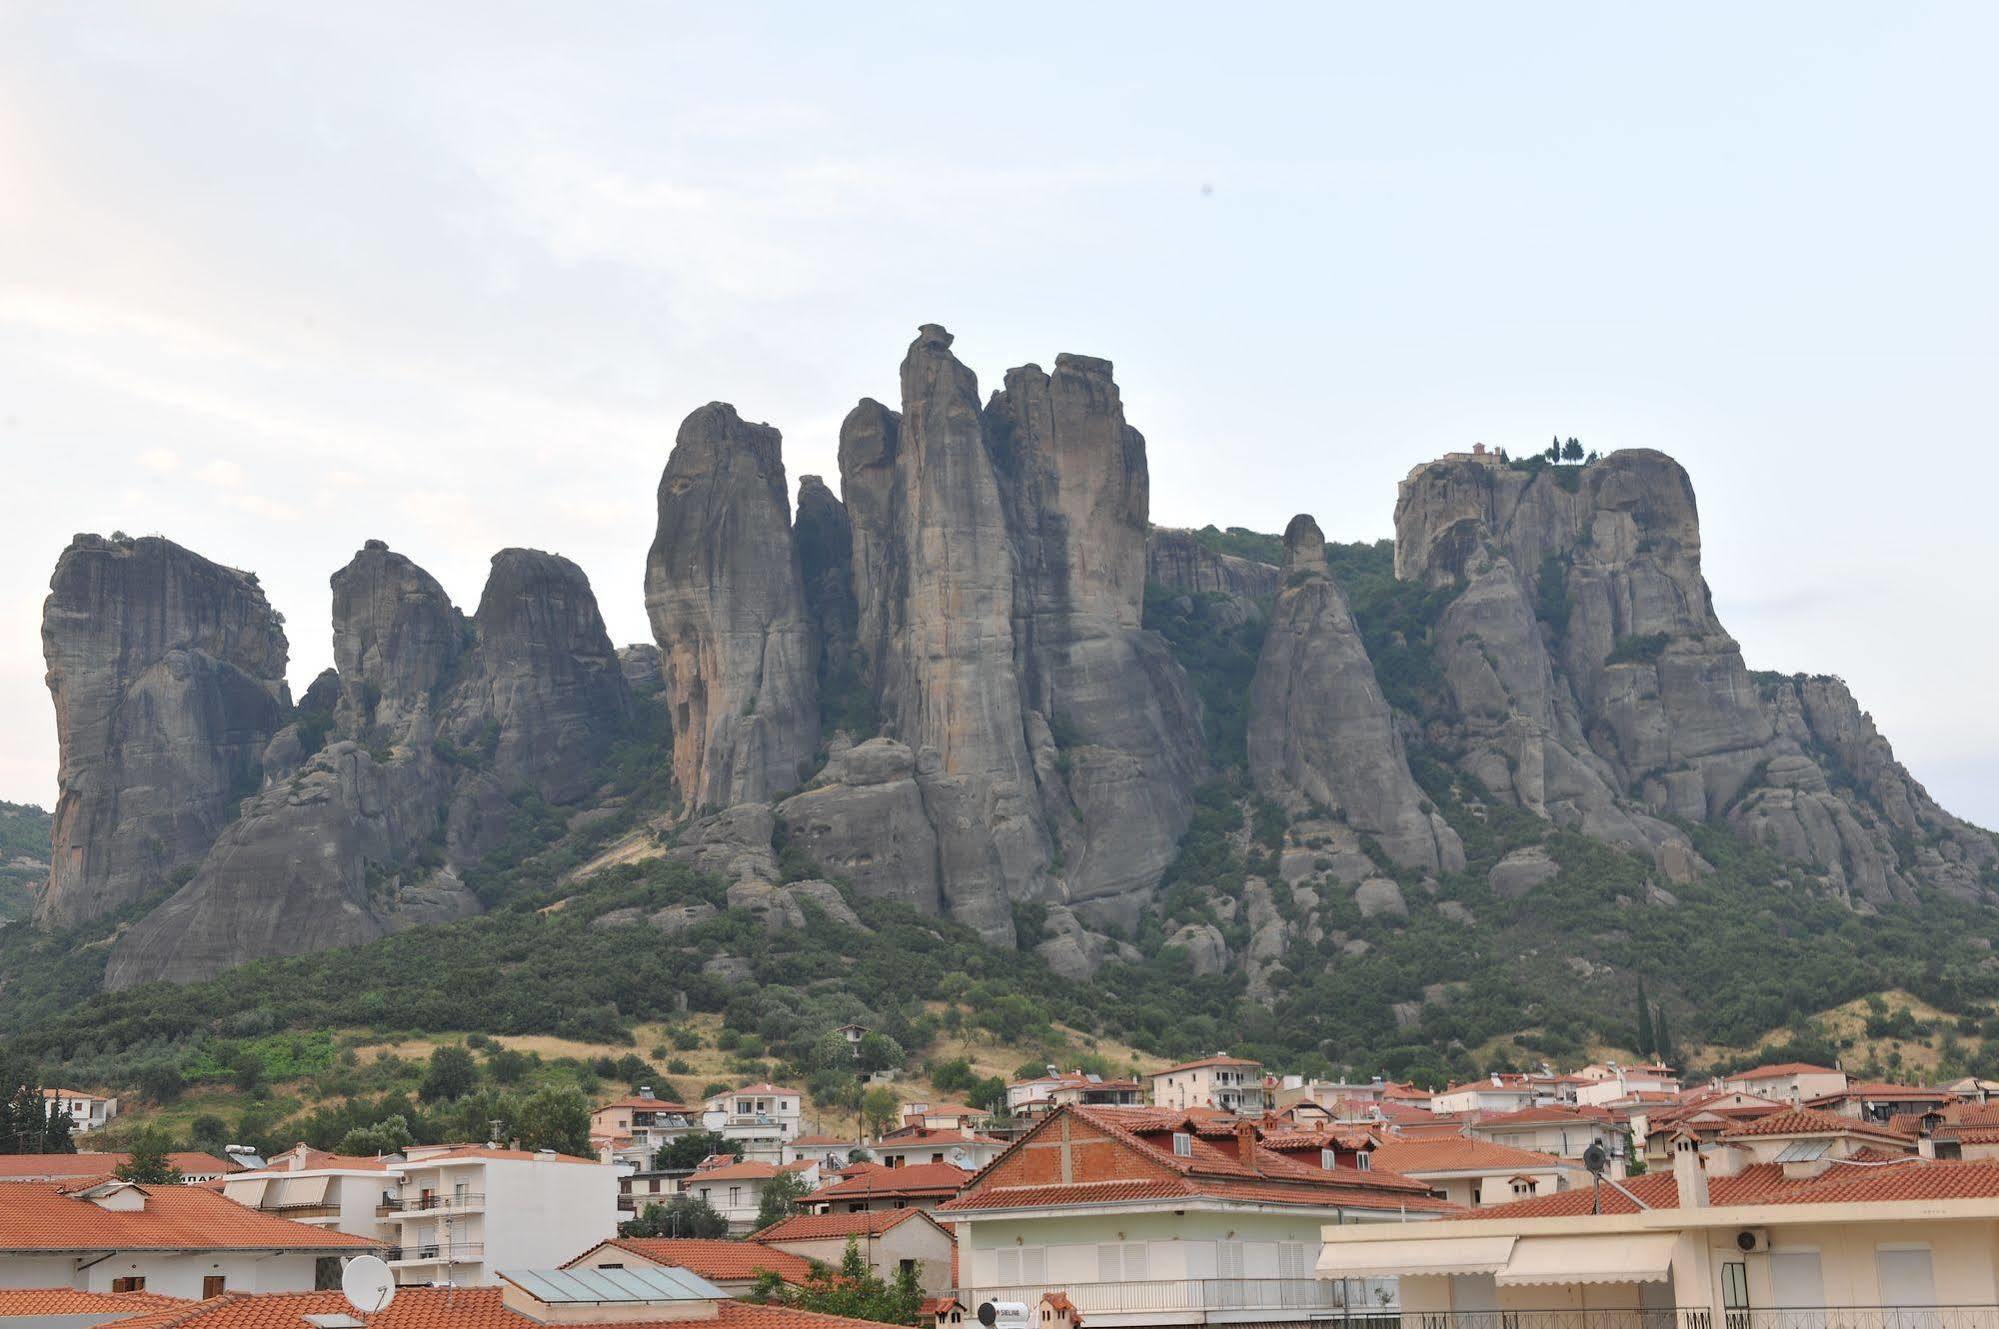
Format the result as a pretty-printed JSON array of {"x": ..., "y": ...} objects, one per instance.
[
  {"x": 1640, "y": 1257},
  {"x": 1414, "y": 1257}
]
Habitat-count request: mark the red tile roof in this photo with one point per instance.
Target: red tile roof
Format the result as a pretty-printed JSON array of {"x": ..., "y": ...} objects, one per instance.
[
  {"x": 737, "y": 1172},
  {"x": 1217, "y": 1060},
  {"x": 1414, "y": 1157},
  {"x": 717, "y": 1259},
  {"x": 1780, "y": 1069},
  {"x": 818, "y": 1227},
  {"x": 643, "y": 1104},
  {"x": 1873, "y": 1182},
  {"x": 1547, "y": 1115},
  {"x": 16, "y": 1303},
  {"x": 448, "y": 1308},
  {"x": 917, "y": 1179},
  {"x": 463, "y": 1152},
  {"x": 762, "y": 1087},
  {"x": 1804, "y": 1121},
  {"x": 60, "y": 1167},
  {"x": 51, "y": 1216}
]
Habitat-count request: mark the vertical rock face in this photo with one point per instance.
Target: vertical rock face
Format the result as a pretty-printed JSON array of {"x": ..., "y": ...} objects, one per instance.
[
  {"x": 543, "y": 681},
  {"x": 826, "y": 560},
  {"x": 1178, "y": 561},
  {"x": 998, "y": 573},
  {"x": 167, "y": 673},
  {"x": 1594, "y": 684},
  {"x": 366, "y": 834},
  {"x": 1120, "y": 712},
  {"x": 1319, "y": 725},
  {"x": 726, "y": 598}
]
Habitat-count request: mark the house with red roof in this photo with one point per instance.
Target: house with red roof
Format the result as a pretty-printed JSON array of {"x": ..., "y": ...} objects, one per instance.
[
  {"x": 1160, "y": 1215},
  {"x": 1557, "y": 1129},
  {"x": 1865, "y": 1239},
  {"x": 733, "y": 1266},
  {"x": 915, "y": 1144},
  {"x": 891, "y": 1240},
  {"x": 1795, "y": 1082},
  {"x": 182, "y": 1241},
  {"x": 632, "y": 1129},
  {"x": 347, "y": 1193},
  {"x": 1498, "y": 1092},
  {"x": 194, "y": 1166},
  {"x": 1476, "y": 1173},
  {"x": 760, "y": 1116},
  {"x": 872, "y": 1187},
  {"x": 735, "y": 1188}
]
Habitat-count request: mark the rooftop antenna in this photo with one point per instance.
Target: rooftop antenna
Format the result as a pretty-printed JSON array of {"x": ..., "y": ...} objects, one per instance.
[{"x": 367, "y": 1284}]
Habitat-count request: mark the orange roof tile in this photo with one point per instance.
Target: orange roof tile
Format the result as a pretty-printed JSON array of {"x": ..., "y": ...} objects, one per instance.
[
  {"x": 712, "y": 1259},
  {"x": 20, "y": 1302},
  {"x": 447, "y": 1308},
  {"x": 61, "y": 1167},
  {"x": 1804, "y": 1121},
  {"x": 818, "y": 1227},
  {"x": 1457, "y": 1154},
  {"x": 915, "y": 1179},
  {"x": 1217, "y": 1060},
  {"x": 1778, "y": 1070},
  {"x": 51, "y": 1216},
  {"x": 1876, "y": 1181},
  {"x": 737, "y": 1172},
  {"x": 463, "y": 1152}
]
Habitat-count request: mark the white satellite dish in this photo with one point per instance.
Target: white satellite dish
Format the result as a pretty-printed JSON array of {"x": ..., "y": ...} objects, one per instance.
[{"x": 367, "y": 1284}]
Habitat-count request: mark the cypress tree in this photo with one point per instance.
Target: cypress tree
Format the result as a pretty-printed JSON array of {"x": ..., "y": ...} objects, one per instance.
[
  {"x": 1661, "y": 1037},
  {"x": 1647, "y": 1041}
]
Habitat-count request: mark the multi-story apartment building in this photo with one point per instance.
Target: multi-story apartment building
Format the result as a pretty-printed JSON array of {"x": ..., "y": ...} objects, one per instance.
[
  {"x": 761, "y": 1116},
  {"x": 464, "y": 1212},
  {"x": 631, "y": 1130},
  {"x": 1221, "y": 1082},
  {"x": 338, "y": 1191}
]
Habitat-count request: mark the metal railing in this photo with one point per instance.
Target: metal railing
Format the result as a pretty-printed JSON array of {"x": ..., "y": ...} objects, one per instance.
[
  {"x": 1846, "y": 1317},
  {"x": 1545, "y": 1319},
  {"x": 414, "y": 1204},
  {"x": 299, "y": 1211},
  {"x": 1188, "y": 1294},
  {"x": 457, "y": 1252}
]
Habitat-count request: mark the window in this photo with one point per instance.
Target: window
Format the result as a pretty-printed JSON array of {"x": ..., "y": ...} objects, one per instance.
[
  {"x": 1228, "y": 1259},
  {"x": 211, "y": 1285},
  {"x": 1363, "y": 1161},
  {"x": 1295, "y": 1259},
  {"x": 1328, "y": 1159},
  {"x": 1796, "y": 1281},
  {"x": 1905, "y": 1276},
  {"x": 1735, "y": 1286},
  {"x": 907, "y": 1267},
  {"x": 735, "y": 1196},
  {"x": 1183, "y": 1144},
  {"x": 1009, "y": 1265},
  {"x": 135, "y": 1283}
]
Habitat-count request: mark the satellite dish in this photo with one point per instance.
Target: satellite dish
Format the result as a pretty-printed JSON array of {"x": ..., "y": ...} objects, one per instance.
[
  {"x": 367, "y": 1284},
  {"x": 1596, "y": 1158}
]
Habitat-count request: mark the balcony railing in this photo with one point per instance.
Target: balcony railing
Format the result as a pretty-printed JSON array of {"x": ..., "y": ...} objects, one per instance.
[
  {"x": 1548, "y": 1319},
  {"x": 457, "y": 1252},
  {"x": 296, "y": 1212},
  {"x": 1846, "y": 1317},
  {"x": 416, "y": 1204},
  {"x": 1190, "y": 1294}
]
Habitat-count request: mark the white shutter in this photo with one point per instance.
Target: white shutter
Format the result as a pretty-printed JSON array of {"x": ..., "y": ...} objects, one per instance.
[
  {"x": 1009, "y": 1266},
  {"x": 1034, "y": 1264},
  {"x": 1796, "y": 1281},
  {"x": 1137, "y": 1266},
  {"x": 1906, "y": 1276},
  {"x": 1110, "y": 1263},
  {"x": 1291, "y": 1261},
  {"x": 1228, "y": 1259}
]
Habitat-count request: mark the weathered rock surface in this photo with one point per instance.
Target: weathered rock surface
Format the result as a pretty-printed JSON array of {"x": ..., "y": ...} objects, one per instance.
[
  {"x": 780, "y": 908},
  {"x": 1320, "y": 731},
  {"x": 1380, "y": 895},
  {"x": 168, "y": 677},
  {"x": 1073, "y": 950},
  {"x": 1595, "y": 686},
  {"x": 826, "y": 562},
  {"x": 640, "y": 664},
  {"x": 1207, "y": 950},
  {"x": 445, "y": 716},
  {"x": 726, "y": 598},
  {"x": 1177, "y": 560},
  {"x": 867, "y": 823},
  {"x": 1521, "y": 871}
]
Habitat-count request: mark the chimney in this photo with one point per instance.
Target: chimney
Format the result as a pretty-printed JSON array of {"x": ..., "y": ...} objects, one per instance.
[
  {"x": 1689, "y": 1177},
  {"x": 1926, "y": 1147},
  {"x": 1245, "y": 1143}
]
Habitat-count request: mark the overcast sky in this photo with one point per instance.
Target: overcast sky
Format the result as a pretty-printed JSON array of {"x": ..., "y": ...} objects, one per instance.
[{"x": 279, "y": 278}]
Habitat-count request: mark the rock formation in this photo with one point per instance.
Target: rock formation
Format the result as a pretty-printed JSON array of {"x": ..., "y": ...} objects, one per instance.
[
  {"x": 826, "y": 560},
  {"x": 1320, "y": 731},
  {"x": 168, "y": 676},
  {"x": 1594, "y": 685},
  {"x": 1179, "y": 561},
  {"x": 727, "y": 602},
  {"x": 438, "y": 722},
  {"x": 1047, "y": 741}
]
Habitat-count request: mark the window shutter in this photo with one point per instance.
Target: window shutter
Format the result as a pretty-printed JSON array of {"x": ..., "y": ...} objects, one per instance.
[
  {"x": 1110, "y": 1263},
  {"x": 1136, "y": 1266},
  {"x": 1009, "y": 1265},
  {"x": 1033, "y": 1264},
  {"x": 1228, "y": 1259}
]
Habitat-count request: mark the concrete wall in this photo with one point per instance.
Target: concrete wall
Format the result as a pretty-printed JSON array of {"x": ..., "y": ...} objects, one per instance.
[
  {"x": 177, "y": 1274},
  {"x": 914, "y": 1240}
]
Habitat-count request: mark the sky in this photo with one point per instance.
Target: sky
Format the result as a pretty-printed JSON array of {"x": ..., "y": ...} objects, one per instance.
[{"x": 276, "y": 279}]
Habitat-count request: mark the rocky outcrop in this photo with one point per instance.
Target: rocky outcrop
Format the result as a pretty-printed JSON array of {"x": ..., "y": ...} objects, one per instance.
[
  {"x": 865, "y": 821},
  {"x": 1594, "y": 685},
  {"x": 168, "y": 677},
  {"x": 542, "y": 690},
  {"x": 640, "y": 663},
  {"x": 726, "y": 598},
  {"x": 1074, "y": 951},
  {"x": 1320, "y": 732},
  {"x": 1177, "y": 560},
  {"x": 366, "y": 834},
  {"x": 826, "y": 561},
  {"x": 998, "y": 573}
]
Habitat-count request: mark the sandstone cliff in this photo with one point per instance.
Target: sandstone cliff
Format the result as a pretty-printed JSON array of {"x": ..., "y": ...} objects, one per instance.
[
  {"x": 726, "y": 598},
  {"x": 1320, "y": 730},
  {"x": 167, "y": 673},
  {"x": 1594, "y": 685},
  {"x": 439, "y": 720}
]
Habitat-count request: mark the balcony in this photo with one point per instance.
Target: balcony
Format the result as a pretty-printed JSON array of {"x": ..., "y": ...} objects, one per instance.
[
  {"x": 1321, "y": 1298},
  {"x": 1815, "y": 1317},
  {"x": 301, "y": 1213},
  {"x": 457, "y": 1252},
  {"x": 430, "y": 1204}
]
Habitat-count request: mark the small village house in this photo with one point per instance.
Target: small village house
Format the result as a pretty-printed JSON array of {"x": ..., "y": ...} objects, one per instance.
[{"x": 1220, "y": 1082}]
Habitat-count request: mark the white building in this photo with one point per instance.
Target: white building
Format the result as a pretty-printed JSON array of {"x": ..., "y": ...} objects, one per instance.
[
  {"x": 1496, "y": 1093},
  {"x": 736, "y": 1190},
  {"x": 463, "y": 1212},
  {"x": 1221, "y": 1082},
  {"x": 1792, "y": 1082},
  {"x": 86, "y": 1112},
  {"x": 340, "y": 1192},
  {"x": 182, "y": 1241},
  {"x": 762, "y": 1116}
]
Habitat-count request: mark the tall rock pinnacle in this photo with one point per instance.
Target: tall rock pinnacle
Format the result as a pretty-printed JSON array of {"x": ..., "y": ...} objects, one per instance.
[{"x": 726, "y": 597}]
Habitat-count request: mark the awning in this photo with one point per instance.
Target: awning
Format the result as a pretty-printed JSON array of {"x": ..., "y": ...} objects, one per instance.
[
  {"x": 301, "y": 1191},
  {"x": 1643, "y": 1257},
  {"x": 249, "y": 1194},
  {"x": 1413, "y": 1257}
]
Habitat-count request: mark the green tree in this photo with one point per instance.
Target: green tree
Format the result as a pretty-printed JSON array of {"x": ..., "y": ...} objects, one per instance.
[
  {"x": 878, "y": 1108},
  {"x": 683, "y": 1216},
  {"x": 1648, "y": 1043},
  {"x": 879, "y": 1052},
  {"x": 1572, "y": 451},
  {"x": 683, "y": 1152},
  {"x": 391, "y": 1135},
  {"x": 29, "y": 1122},
  {"x": 209, "y": 1133},
  {"x": 554, "y": 1117},
  {"x": 452, "y": 1073},
  {"x": 148, "y": 1162},
  {"x": 780, "y": 1198},
  {"x": 853, "y": 1290},
  {"x": 1662, "y": 1038}
]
